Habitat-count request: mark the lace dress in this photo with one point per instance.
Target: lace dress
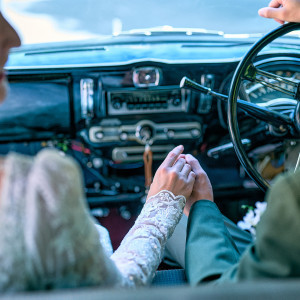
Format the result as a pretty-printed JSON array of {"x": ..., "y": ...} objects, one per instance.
[{"x": 49, "y": 240}]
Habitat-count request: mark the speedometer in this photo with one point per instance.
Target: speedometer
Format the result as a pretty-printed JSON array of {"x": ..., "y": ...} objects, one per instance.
[{"x": 257, "y": 93}]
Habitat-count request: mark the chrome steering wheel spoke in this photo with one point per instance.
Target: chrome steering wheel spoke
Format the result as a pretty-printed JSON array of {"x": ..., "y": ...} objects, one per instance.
[
  {"x": 258, "y": 112},
  {"x": 273, "y": 81}
]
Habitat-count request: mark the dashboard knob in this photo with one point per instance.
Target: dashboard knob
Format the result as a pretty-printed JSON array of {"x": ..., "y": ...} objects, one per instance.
[
  {"x": 136, "y": 189},
  {"x": 116, "y": 103},
  {"x": 195, "y": 132},
  {"x": 170, "y": 134},
  {"x": 99, "y": 135},
  {"x": 145, "y": 133},
  {"x": 98, "y": 162},
  {"x": 125, "y": 213},
  {"x": 176, "y": 101},
  {"x": 123, "y": 136}
]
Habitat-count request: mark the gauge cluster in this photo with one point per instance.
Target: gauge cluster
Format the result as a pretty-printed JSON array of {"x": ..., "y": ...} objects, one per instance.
[{"x": 257, "y": 93}]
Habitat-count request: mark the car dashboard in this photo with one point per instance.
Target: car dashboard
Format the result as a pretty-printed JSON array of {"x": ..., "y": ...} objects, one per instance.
[{"x": 104, "y": 104}]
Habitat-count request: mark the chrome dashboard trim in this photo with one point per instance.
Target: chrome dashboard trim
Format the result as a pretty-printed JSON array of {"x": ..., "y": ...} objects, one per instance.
[{"x": 159, "y": 132}]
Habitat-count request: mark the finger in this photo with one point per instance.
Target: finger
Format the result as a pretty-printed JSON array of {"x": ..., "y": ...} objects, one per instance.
[
  {"x": 180, "y": 156},
  {"x": 191, "y": 160},
  {"x": 179, "y": 165},
  {"x": 172, "y": 156},
  {"x": 279, "y": 21},
  {"x": 275, "y": 3},
  {"x": 271, "y": 13},
  {"x": 186, "y": 170},
  {"x": 191, "y": 177}
]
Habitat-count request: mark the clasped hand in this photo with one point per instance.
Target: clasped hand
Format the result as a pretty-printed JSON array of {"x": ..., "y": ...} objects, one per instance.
[{"x": 182, "y": 175}]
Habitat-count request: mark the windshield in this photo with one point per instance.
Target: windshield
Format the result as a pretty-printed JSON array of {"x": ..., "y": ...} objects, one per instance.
[{"x": 40, "y": 21}]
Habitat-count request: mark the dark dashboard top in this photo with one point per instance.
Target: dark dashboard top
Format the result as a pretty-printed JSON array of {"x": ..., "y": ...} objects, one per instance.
[
  {"x": 118, "y": 51},
  {"x": 123, "y": 55}
]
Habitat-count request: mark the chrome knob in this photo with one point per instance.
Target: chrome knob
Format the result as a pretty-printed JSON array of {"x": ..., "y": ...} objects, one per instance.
[
  {"x": 99, "y": 135},
  {"x": 123, "y": 136},
  {"x": 145, "y": 133},
  {"x": 195, "y": 132},
  {"x": 170, "y": 134},
  {"x": 117, "y": 103}
]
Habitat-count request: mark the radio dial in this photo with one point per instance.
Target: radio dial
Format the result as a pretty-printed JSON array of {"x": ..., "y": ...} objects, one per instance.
[
  {"x": 117, "y": 103},
  {"x": 99, "y": 135},
  {"x": 123, "y": 136},
  {"x": 170, "y": 134},
  {"x": 176, "y": 101},
  {"x": 195, "y": 132},
  {"x": 145, "y": 133}
]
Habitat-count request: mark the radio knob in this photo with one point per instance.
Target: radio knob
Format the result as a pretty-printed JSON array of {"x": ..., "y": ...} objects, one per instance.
[
  {"x": 116, "y": 103},
  {"x": 195, "y": 132},
  {"x": 98, "y": 162},
  {"x": 145, "y": 133},
  {"x": 99, "y": 135},
  {"x": 171, "y": 134},
  {"x": 176, "y": 101},
  {"x": 123, "y": 136},
  {"x": 136, "y": 189}
]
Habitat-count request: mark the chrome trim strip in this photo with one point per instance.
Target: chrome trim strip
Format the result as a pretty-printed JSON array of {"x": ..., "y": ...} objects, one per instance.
[{"x": 162, "y": 131}]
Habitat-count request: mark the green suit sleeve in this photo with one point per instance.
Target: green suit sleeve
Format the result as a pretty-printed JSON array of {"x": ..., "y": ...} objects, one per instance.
[
  {"x": 275, "y": 253},
  {"x": 210, "y": 249}
]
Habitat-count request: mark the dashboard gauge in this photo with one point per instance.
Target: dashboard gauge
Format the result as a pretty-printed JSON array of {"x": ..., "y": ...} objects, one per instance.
[
  {"x": 257, "y": 93},
  {"x": 146, "y": 76}
]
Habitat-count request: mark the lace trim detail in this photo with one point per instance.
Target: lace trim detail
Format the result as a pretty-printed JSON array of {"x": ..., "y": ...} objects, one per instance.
[
  {"x": 169, "y": 193},
  {"x": 141, "y": 250}
]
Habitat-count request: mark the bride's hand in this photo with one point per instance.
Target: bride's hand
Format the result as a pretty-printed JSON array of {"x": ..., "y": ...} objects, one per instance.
[{"x": 174, "y": 175}]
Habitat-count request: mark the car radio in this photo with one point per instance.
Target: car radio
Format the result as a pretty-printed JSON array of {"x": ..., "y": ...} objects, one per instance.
[{"x": 132, "y": 101}]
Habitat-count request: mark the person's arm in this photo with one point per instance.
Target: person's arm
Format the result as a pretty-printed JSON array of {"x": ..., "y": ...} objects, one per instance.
[
  {"x": 141, "y": 250},
  {"x": 210, "y": 249},
  {"x": 282, "y": 11},
  {"x": 275, "y": 253},
  {"x": 62, "y": 236}
]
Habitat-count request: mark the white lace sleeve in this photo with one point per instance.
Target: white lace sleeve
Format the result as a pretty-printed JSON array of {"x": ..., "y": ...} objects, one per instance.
[{"x": 141, "y": 250}]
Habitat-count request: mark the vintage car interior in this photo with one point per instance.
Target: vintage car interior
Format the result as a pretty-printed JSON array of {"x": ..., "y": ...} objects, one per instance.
[{"x": 105, "y": 101}]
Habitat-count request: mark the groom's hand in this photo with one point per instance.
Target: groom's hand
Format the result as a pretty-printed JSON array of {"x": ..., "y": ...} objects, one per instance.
[{"x": 202, "y": 189}]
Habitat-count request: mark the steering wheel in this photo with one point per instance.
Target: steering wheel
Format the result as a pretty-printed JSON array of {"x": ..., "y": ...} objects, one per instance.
[{"x": 246, "y": 70}]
